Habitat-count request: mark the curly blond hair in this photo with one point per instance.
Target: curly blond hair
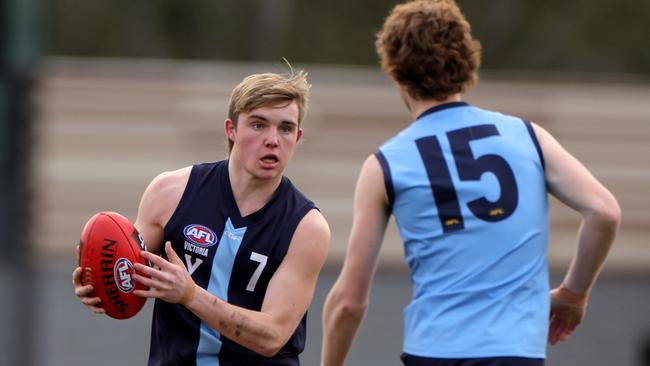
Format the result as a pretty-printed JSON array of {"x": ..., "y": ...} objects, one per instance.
[{"x": 426, "y": 47}]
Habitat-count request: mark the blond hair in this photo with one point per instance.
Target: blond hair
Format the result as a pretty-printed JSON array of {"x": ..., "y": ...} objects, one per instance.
[{"x": 269, "y": 89}]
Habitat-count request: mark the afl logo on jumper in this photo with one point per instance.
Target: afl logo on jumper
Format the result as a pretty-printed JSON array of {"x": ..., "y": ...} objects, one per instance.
[
  {"x": 200, "y": 235},
  {"x": 122, "y": 271}
]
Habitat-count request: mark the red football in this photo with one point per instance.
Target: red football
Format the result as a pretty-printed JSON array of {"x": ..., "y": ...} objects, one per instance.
[{"x": 109, "y": 247}]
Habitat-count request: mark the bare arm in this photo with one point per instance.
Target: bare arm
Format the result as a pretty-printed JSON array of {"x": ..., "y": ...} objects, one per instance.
[
  {"x": 347, "y": 301},
  {"x": 287, "y": 298},
  {"x": 157, "y": 205},
  {"x": 575, "y": 186},
  {"x": 570, "y": 182}
]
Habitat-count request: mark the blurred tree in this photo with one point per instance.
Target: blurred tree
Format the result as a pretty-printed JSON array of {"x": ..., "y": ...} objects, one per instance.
[
  {"x": 583, "y": 35},
  {"x": 578, "y": 36}
]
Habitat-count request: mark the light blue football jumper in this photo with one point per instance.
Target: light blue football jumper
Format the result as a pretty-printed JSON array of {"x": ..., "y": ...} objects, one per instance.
[{"x": 468, "y": 193}]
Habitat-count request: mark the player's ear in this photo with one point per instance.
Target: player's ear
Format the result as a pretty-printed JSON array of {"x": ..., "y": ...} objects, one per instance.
[
  {"x": 230, "y": 129},
  {"x": 299, "y": 135}
]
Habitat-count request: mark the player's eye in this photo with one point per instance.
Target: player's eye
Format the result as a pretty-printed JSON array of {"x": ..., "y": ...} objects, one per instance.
[{"x": 286, "y": 128}]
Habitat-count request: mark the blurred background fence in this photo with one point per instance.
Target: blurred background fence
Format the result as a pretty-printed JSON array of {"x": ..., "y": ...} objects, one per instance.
[
  {"x": 107, "y": 127},
  {"x": 99, "y": 97}
]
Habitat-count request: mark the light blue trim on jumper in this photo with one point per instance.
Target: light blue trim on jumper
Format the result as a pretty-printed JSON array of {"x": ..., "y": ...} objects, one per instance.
[{"x": 209, "y": 346}]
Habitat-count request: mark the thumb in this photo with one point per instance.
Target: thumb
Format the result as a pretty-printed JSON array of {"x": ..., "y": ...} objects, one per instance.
[{"x": 172, "y": 256}]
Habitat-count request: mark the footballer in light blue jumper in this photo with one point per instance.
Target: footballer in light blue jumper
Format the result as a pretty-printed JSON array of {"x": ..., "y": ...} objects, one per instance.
[{"x": 468, "y": 190}]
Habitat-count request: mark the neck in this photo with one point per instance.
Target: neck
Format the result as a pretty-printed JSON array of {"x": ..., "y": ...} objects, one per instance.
[
  {"x": 251, "y": 193},
  {"x": 417, "y": 107}
]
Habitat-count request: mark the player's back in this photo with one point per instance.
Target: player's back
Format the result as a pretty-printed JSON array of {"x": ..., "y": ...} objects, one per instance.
[{"x": 468, "y": 193}]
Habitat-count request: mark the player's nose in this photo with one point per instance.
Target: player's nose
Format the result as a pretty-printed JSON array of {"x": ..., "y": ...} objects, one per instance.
[{"x": 272, "y": 138}]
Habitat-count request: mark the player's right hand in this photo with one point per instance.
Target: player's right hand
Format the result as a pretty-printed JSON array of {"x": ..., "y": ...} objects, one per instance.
[
  {"x": 567, "y": 311},
  {"x": 84, "y": 293}
]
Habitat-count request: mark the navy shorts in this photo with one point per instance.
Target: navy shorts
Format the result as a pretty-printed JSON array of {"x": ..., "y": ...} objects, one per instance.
[{"x": 410, "y": 360}]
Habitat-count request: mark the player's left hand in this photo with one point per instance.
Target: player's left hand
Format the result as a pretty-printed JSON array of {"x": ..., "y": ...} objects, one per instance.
[
  {"x": 170, "y": 282},
  {"x": 567, "y": 311}
]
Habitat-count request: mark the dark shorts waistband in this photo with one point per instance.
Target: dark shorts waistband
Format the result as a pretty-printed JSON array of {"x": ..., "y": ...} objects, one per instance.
[{"x": 410, "y": 360}]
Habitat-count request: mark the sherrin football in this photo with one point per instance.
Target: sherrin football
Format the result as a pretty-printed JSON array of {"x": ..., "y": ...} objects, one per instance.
[{"x": 109, "y": 247}]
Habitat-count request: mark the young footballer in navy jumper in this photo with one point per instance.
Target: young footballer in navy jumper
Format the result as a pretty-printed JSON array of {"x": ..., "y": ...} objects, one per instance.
[
  {"x": 468, "y": 189},
  {"x": 240, "y": 247}
]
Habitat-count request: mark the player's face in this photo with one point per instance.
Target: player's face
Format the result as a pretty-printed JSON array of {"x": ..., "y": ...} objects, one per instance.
[{"x": 265, "y": 138}]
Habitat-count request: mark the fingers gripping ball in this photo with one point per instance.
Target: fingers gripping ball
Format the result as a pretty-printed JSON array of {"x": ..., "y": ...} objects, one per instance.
[
  {"x": 189, "y": 289},
  {"x": 109, "y": 247}
]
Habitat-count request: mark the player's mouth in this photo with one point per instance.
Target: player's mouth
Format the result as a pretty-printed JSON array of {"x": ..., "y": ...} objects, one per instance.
[{"x": 269, "y": 161}]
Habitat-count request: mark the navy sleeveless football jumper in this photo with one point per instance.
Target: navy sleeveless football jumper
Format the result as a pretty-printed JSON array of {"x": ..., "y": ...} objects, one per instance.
[{"x": 234, "y": 258}]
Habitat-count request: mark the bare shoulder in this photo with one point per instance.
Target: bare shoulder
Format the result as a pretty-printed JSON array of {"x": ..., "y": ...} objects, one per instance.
[
  {"x": 371, "y": 184},
  {"x": 311, "y": 239},
  {"x": 554, "y": 154},
  {"x": 165, "y": 191},
  {"x": 570, "y": 181},
  {"x": 372, "y": 167},
  {"x": 171, "y": 181},
  {"x": 158, "y": 203},
  {"x": 313, "y": 224},
  {"x": 543, "y": 136},
  {"x": 371, "y": 175}
]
